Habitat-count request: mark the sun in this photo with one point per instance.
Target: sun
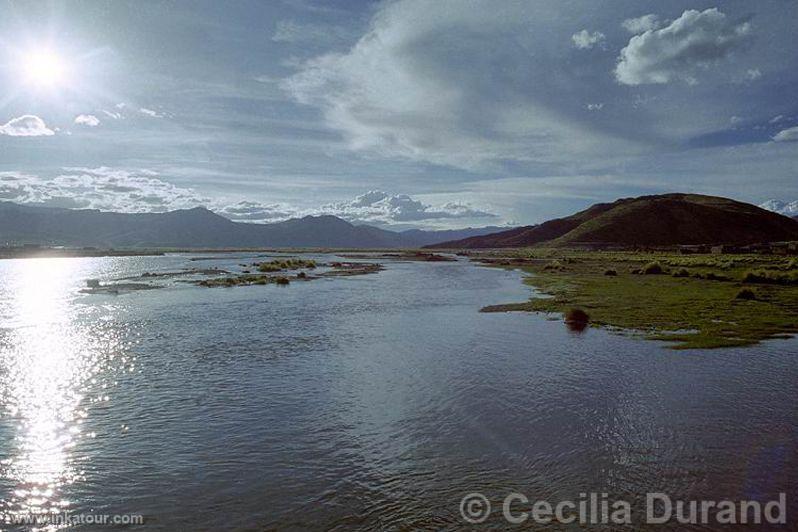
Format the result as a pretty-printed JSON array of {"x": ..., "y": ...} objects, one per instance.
[{"x": 43, "y": 68}]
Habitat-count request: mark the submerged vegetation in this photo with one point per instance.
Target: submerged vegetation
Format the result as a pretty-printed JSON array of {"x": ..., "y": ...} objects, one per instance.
[{"x": 700, "y": 301}]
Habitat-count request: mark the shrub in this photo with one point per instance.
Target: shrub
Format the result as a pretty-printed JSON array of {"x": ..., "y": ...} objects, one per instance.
[
  {"x": 554, "y": 265},
  {"x": 301, "y": 275},
  {"x": 746, "y": 293},
  {"x": 715, "y": 277},
  {"x": 576, "y": 319},
  {"x": 770, "y": 277},
  {"x": 610, "y": 272},
  {"x": 681, "y": 272},
  {"x": 653, "y": 268},
  {"x": 269, "y": 267},
  {"x": 282, "y": 281}
]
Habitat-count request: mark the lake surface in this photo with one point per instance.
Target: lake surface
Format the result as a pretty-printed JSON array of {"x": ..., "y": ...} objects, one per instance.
[{"x": 367, "y": 402}]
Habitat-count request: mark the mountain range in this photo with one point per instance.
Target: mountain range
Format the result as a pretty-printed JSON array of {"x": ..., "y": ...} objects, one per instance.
[
  {"x": 199, "y": 228},
  {"x": 661, "y": 220}
]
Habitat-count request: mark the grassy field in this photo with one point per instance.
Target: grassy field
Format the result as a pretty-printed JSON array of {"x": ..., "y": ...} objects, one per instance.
[{"x": 693, "y": 301}]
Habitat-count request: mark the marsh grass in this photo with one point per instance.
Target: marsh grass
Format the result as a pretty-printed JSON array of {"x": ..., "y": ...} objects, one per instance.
[
  {"x": 279, "y": 265},
  {"x": 663, "y": 307}
]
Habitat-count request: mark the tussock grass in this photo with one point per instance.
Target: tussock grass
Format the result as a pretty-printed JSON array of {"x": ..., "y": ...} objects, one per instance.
[
  {"x": 771, "y": 277},
  {"x": 653, "y": 268},
  {"x": 745, "y": 293}
]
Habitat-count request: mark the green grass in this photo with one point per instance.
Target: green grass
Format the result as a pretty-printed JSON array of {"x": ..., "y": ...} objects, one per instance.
[
  {"x": 279, "y": 265},
  {"x": 701, "y": 310}
]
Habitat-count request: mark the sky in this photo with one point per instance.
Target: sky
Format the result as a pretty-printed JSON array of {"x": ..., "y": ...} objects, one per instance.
[{"x": 402, "y": 113}]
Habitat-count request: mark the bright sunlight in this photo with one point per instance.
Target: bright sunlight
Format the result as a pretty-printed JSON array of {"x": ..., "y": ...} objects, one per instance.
[{"x": 44, "y": 68}]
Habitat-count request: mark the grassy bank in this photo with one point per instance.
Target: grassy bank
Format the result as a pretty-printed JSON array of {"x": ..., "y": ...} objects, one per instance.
[{"x": 699, "y": 301}]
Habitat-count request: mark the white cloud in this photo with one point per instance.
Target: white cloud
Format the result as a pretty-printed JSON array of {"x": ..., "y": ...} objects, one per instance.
[
  {"x": 254, "y": 211},
  {"x": 103, "y": 188},
  {"x": 112, "y": 114},
  {"x": 87, "y": 120},
  {"x": 642, "y": 24},
  {"x": 150, "y": 113},
  {"x": 781, "y": 207},
  {"x": 456, "y": 87},
  {"x": 595, "y": 106},
  {"x": 585, "y": 40},
  {"x": 776, "y": 119},
  {"x": 383, "y": 208},
  {"x": 26, "y": 126},
  {"x": 692, "y": 43},
  {"x": 753, "y": 74},
  {"x": 787, "y": 135}
]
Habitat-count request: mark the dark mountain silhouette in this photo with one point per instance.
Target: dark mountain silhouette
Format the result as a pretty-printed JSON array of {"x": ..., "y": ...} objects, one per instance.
[
  {"x": 195, "y": 228},
  {"x": 663, "y": 220},
  {"x": 423, "y": 238}
]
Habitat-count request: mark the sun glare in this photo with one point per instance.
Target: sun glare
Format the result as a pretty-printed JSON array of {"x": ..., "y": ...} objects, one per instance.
[{"x": 44, "y": 69}]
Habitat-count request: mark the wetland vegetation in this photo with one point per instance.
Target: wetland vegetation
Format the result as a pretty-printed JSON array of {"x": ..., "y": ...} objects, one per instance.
[{"x": 692, "y": 301}]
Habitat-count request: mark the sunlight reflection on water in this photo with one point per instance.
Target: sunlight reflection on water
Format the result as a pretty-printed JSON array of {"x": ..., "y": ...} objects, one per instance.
[{"x": 46, "y": 357}]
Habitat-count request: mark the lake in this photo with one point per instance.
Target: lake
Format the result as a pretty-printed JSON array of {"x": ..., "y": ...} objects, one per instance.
[{"x": 366, "y": 402}]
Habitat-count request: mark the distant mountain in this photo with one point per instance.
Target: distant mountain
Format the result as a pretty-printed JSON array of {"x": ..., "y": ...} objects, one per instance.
[
  {"x": 662, "y": 220},
  {"x": 423, "y": 238},
  {"x": 782, "y": 207},
  {"x": 194, "y": 228}
]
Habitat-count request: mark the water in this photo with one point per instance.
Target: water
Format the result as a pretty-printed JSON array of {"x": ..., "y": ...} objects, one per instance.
[{"x": 367, "y": 402}]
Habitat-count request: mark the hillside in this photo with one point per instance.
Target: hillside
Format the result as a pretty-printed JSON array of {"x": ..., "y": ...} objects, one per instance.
[
  {"x": 662, "y": 220},
  {"x": 194, "y": 228}
]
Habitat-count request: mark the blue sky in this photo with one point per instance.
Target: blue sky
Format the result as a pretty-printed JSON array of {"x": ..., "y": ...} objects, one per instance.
[{"x": 402, "y": 113}]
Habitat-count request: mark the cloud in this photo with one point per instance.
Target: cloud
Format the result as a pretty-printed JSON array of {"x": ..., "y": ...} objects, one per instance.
[
  {"x": 692, "y": 43},
  {"x": 595, "y": 106},
  {"x": 382, "y": 208},
  {"x": 108, "y": 189},
  {"x": 642, "y": 24},
  {"x": 112, "y": 114},
  {"x": 253, "y": 211},
  {"x": 781, "y": 207},
  {"x": 753, "y": 74},
  {"x": 585, "y": 40},
  {"x": 150, "y": 113},
  {"x": 26, "y": 126},
  {"x": 787, "y": 135},
  {"x": 456, "y": 87},
  {"x": 87, "y": 120}
]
